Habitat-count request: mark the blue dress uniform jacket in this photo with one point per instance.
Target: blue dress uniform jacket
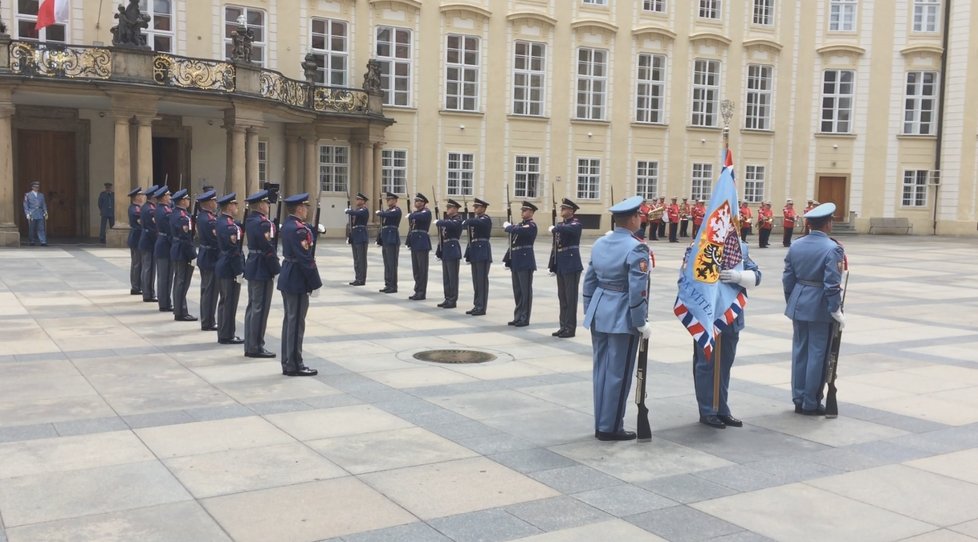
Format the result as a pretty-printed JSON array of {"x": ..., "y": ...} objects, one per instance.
[
  {"x": 34, "y": 205},
  {"x": 568, "y": 257},
  {"x": 522, "y": 237},
  {"x": 417, "y": 237},
  {"x": 299, "y": 272},
  {"x": 262, "y": 262},
  {"x": 162, "y": 246},
  {"x": 478, "y": 249},
  {"x": 615, "y": 295},
  {"x": 358, "y": 230},
  {"x": 390, "y": 219},
  {"x": 207, "y": 233},
  {"x": 147, "y": 217},
  {"x": 812, "y": 278},
  {"x": 451, "y": 231},
  {"x": 230, "y": 263},
  {"x": 182, "y": 244},
  {"x": 135, "y": 228}
]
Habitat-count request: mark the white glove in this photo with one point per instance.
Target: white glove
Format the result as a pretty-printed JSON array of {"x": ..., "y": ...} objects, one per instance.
[
  {"x": 377, "y": 212},
  {"x": 839, "y": 317},
  {"x": 550, "y": 229},
  {"x": 193, "y": 262},
  {"x": 314, "y": 293},
  {"x": 321, "y": 229},
  {"x": 745, "y": 278},
  {"x": 645, "y": 330},
  {"x": 347, "y": 210},
  {"x": 506, "y": 225}
]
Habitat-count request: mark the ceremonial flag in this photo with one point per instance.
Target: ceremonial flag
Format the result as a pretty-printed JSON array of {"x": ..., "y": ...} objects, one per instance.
[
  {"x": 705, "y": 305},
  {"x": 51, "y": 12}
]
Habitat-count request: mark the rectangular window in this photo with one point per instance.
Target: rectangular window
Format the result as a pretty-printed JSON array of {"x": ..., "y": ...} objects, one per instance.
[
  {"x": 650, "y": 94},
  {"x": 657, "y": 6},
  {"x": 759, "y": 87},
  {"x": 925, "y": 14},
  {"x": 764, "y": 12},
  {"x": 920, "y": 103},
  {"x": 529, "y": 63},
  {"x": 592, "y": 83},
  {"x": 709, "y": 9},
  {"x": 331, "y": 51},
  {"x": 393, "y": 171},
  {"x": 27, "y": 19},
  {"x": 588, "y": 178},
  {"x": 596, "y": 2},
  {"x": 647, "y": 179},
  {"x": 255, "y": 21},
  {"x": 754, "y": 184},
  {"x": 842, "y": 15},
  {"x": 262, "y": 161},
  {"x": 527, "y": 176},
  {"x": 702, "y": 181},
  {"x": 394, "y": 54},
  {"x": 706, "y": 89},
  {"x": 837, "y": 94},
  {"x": 159, "y": 35},
  {"x": 334, "y": 168},
  {"x": 915, "y": 187},
  {"x": 461, "y": 172},
  {"x": 462, "y": 73}
]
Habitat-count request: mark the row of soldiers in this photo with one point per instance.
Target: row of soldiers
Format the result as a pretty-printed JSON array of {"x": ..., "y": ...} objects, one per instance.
[
  {"x": 565, "y": 262},
  {"x": 164, "y": 255}
]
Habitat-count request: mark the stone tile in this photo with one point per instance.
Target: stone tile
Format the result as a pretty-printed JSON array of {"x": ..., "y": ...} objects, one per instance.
[
  {"x": 638, "y": 462},
  {"x": 841, "y": 431},
  {"x": 961, "y": 465},
  {"x": 387, "y": 450},
  {"x": 415, "y": 532},
  {"x": 532, "y": 460},
  {"x": 275, "y": 388},
  {"x": 201, "y": 395},
  {"x": 456, "y": 487},
  {"x": 929, "y": 407},
  {"x": 969, "y": 528},
  {"x": 224, "y": 412},
  {"x": 278, "y": 407},
  {"x": 157, "y": 419},
  {"x": 212, "y": 436},
  {"x": 742, "y": 536},
  {"x": 624, "y": 500},
  {"x": 296, "y": 512},
  {"x": 940, "y": 535},
  {"x": 162, "y": 523},
  {"x": 331, "y": 401},
  {"x": 494, "y": 443},
  {"x": 908, "y": 491},
  {"x": 775, "y": 513},
  {"x": 95, "y": 425},
  {"x": 767, "y": 473},
  {"x": 46, "y": 411},
  {"x": 557, "y": 513},
  {"x": 60, "y": 495},
  {"x": 686, "y": 488},
  {"x": 546, "y": 427},
  {"x": 414, "y": 377},
  {"x": 334, "y": 422},
  {"x": 480, "y": 406},
  {"x": 606, "y": 530},
  {"x": 483, "y": 526},
  {"x": 71, "y": 453},
  {"x": 27, "y": 432},
  {"x": 865, "y": 456},
  {"x": 741, "y": 445},
  {"x": 682, "y": 523},
  {"x": 575, "y": 479}
]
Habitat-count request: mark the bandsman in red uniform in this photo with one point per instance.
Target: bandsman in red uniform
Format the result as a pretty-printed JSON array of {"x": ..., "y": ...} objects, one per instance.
[
  {"x": 746, "y": 221},
  {"x": 765, "y": 221},
  {"x": 672, "y": 213},
  {"x": 788, "y": 221},
  {"x": 684, "y": 212},
  {"x": 699, "y": 211}
]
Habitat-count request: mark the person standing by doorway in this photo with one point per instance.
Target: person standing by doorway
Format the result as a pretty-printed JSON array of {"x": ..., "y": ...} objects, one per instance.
[
  {"x": 36, "y": 210},
  {"x": 136, "y": 199},
  {"x": 106, "y": 211}
]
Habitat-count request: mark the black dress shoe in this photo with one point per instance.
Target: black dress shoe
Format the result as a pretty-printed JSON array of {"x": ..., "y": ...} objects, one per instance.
[
  {"x": 150, "y": 300},
  {"x": 521, "y": 324},
  {"x": 730, "y": 420},
  {"x": 135, "y": 292},
  {"x": 383, "y": 290},
  {"x": 185, "y": 318},
  {"x": 566, "y": 334},
  {"x": 617, "y": 435},
  {"x": 210, "y": 328},
  {"x": 448, "y": 306},
  {"x": 713, "y": 421},
  {"x": 388, "y": 291},
  {"x": 262, "y": 354},
  {"x": 470, "y": 311},
  {"x": 416, "y": 297},
  {"x": 166, "y": 309},
  {"x": 477, "y": 313},
  {"x": 511, "y": 323},
  {"x": 557, "y": 333},
  {"x": 358, "y": 283},
  {"x": 303, "y": 371},
  {"x": 819, "y": 411},
  {"x": 236, "y": 340}
]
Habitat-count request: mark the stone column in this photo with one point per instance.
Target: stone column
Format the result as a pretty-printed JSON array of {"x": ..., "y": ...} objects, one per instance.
[
  {"x": 122, "y": 182},
  {"x": 236, "y": 163},
  {"x": 291, "y": 165},
  {"x": 144, "y": 156},
  {"x": 9, "y": 204},
  {"x": 251, "y": 162},
  {"x": 311, "y": 181}
]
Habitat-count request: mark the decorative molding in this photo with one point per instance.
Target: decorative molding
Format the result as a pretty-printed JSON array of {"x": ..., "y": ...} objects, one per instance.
[
  {"x": 531, "y": 16},
  {"x": 840, "y": 48},
  {"x": 706, "y": 36},
  {"x": 594, "y": 23},
  {"x": 415, "y": 4},
  {"x": 652, "y": 31},
  {"x": 925, "y": 49},
  {"x": 466, "y": 8},
  {"x": 762, "y": 42}
]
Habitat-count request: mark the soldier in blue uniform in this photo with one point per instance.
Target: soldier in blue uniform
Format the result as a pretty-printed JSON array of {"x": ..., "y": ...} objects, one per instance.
[
  {"x": 390, "y": 241},
  {"x": 479, "y": 255},
  {"x": 260, "y": 269},
  {"x": 207, "y": 258},
  {"x": 703, "y": 368},
  {"x": 182, "y": 254},
  {"x": 450, "y": 252},
  {"x": 812, "y": 289},
  {"x": 616, "y": 310},
  {"x": 106, "y": 211},
  {"x": 359, "y": 239},
  {"x": 230, "y": 266},
  {"x": 567, "y": 266},
  {"x": 161, "y": 252},
  {"x": 522, "y": 263},
  {"x": 299, "y": 279},
  {"x": 36, "y": 210},
  {"x": 419, "y": 242},
  {"x": 147, "y": 244},
  {"x": 136, "y": 199}
]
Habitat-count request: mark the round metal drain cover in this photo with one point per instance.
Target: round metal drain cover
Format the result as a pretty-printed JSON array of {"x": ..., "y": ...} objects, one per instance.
[{"x": 454, "y": 356}]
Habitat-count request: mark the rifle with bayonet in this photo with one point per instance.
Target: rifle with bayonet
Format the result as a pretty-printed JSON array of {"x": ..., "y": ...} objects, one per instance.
[
  {"x": 380, "y": 207},
  {"x": 552, "y": 263},
  {"x": 832, "y": 360},
  {"x": 319, "y": 209},
  {"x": 441, "y": 236},
  {"x": 349, "y": 217},
  {"x": 642, "y": 427},
  {"x": 612, "y": 203},
  {"x": 509, "y": 218}
]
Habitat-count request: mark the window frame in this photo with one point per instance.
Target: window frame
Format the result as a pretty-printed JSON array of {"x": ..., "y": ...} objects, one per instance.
[
  {"x": 915, "y": 193},
  {"x": 754, "y": 181},
  {"x": 647, "y": 178},
  {"x": 461, "y": 83},
  {"x": 334, "y": 174},
  {"x": 393, "y": 170},
  {"x": 837, "y": 96},
  {"x": 526, "y": 102},
  {"x": 327, "y": 56},
  {"x": 390, "y": 63},
  {"x": 701, "y": 181},
  {"x": 926, "y": 16},
  {"x": 913, "y": 104},
  {"x": 152, "y": 33},
  {"x": 763, "y": 10},
  {"x": 595, "y": 86},
  {"x": 711, "y": 10},
  {"x": 263, "y": 147},
  {"x": 644, "y": 89},
  {"x": 588, "y": 184},
  {"x": 30, "y": 19},
  {"x": 526, "y": 176},
  {"x": 843, "y": 15},
  {"x": 460, "y": 178},
  {"x": 649, "y": 6},
  {"x": 705, "y": 96},
  {"x": 759, "y": 100},
  {"x": 259, "y": 45}
]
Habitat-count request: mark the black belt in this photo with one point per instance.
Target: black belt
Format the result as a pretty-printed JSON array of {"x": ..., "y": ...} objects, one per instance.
[
  {"x": 612, "y": 287},
  {"x": 292, "y": 260},
  {"x": 811, "y": 283},
  {"x": 561, "y": 249},
  {"x": 358, "y": 226},
  {"x": 480, "y": 239},
  {"x": 521, "y": 247},
  {"x": 388, "y": 226}
]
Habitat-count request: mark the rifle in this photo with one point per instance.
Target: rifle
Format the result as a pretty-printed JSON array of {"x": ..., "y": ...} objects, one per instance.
[
  {"x": 832, "y": 361},
  {"x": 552, "y": 263},
  {"x": 467, "y": 229},
  {"x": 509, "y": 218},
  {"x": 441, "y": 237},
  {"x": 643, "y": 428},
  {"x": 612, "y": 202},
  {"x": 319, "y": 209},
  {"x": 380, "y": 207},
  {"x": 349, "y": 217}
]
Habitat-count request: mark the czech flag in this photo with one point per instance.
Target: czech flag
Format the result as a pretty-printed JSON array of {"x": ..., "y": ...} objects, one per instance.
[{"x": 51, "y": 12}]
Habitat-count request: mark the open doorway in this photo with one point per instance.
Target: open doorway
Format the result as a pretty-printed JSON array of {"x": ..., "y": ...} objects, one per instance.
[{"x": 166, "y": 162}]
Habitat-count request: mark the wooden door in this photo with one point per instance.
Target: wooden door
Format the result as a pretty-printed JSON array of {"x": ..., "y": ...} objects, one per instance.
[
  {"x": 834, "y": 189},
  {"x": 166, "y": 162},
  {"x": 49, "y": 157}
]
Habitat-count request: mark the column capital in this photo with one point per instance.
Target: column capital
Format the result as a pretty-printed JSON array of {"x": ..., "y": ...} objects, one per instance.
[{"x": 7, "y": 109}]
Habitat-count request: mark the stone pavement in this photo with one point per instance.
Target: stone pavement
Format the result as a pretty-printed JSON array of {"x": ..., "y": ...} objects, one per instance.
[{"x": 117, "y": 423}]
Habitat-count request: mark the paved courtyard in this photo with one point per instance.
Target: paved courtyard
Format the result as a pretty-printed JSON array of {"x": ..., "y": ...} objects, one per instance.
[{"x": 117, "y": 423}]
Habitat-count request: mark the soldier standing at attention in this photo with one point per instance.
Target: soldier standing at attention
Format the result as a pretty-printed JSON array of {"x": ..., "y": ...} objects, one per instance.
[
  {"x": 359, "y": 239},
  {"x": 655, "y": 219},
  {"x": 419, "y": 242},
  {"x": 644, "y": 210},
  {"x": 663, "y": 218},
  {"x": 147, "y": 244},
  {"x": 522, "y": 263},
  {"x": 765, "y": 220},
  {"x": 788, "y": 221},
  {"x": 568, "y": 266},
  {"x": 479, "y": 254},
  {"x": 106, "y": 211},
  {"x": 672, "y": 212},
  {"x": 450, "y": 252},
  {"x": 36, "y": 210},
  {"x": 182, "y": 254},
  {"x": 746, "y": 220},
  {"x": 390, "y": 241},
  {"x": 812, "y": 289},
  {"x": 230, "y": 266},
  {"x": 207, "y": 258},
  {"x": 809, "y": 205},
  {"x": 260, "y": 269},
  {"x": 136, "y": 199},
  {"x": 299, "y": 279},
  {"x": 164, "y": 272},
  {"x": 616, "y": 310},
  {"x": 699, "y": 211},
  {"x": 684, "y": 211}
]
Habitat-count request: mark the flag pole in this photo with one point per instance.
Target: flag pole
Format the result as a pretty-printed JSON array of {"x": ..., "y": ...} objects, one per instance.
[{"x": 726, "y": 111}]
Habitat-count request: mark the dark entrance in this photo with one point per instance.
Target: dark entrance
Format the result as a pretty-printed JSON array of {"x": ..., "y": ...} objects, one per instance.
[
  {"x": 48, "y": 157},
  {"x": 166, "y": 162}
]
